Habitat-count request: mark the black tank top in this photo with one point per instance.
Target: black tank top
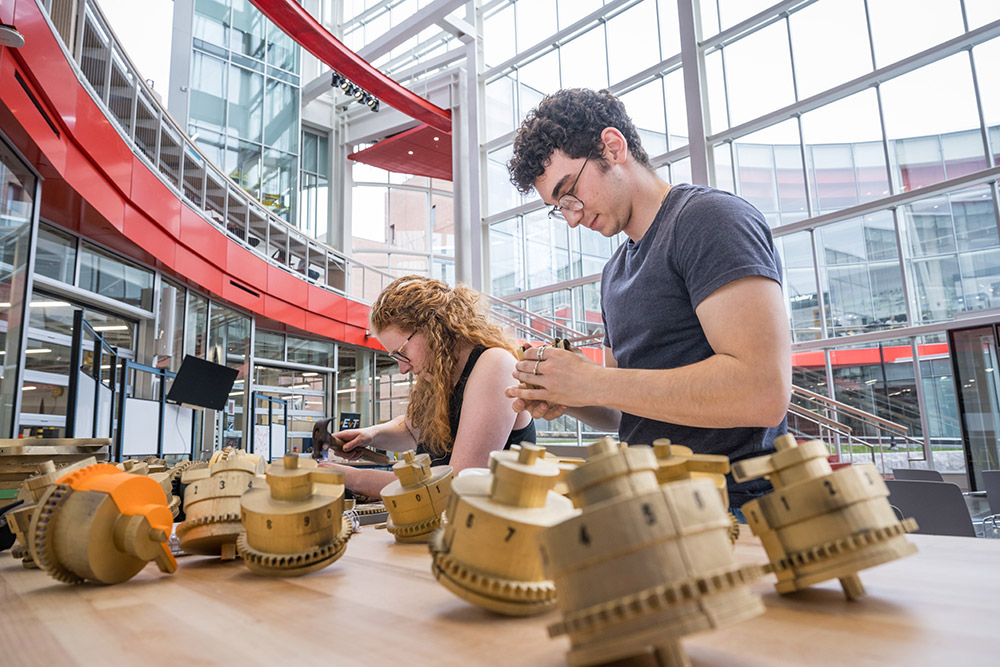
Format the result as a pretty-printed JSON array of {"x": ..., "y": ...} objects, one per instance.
[{"x": 516, "y": 437}]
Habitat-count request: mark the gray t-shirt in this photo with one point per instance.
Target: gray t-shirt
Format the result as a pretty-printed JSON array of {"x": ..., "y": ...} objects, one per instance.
[{"x": 700, "y": 240}]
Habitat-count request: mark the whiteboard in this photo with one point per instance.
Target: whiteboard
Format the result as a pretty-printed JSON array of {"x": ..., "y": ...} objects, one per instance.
[
  {"x": 84, "y": 422},
  {"x": 260, "y": 440},
  {"x": 142, "y": 423}
]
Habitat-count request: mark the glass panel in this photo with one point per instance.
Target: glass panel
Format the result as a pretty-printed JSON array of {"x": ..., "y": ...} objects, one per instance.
[
  {"x": 645, "y": 107},
  {"x": 55, "y": 254},
  {"x": 981, "y": 12},
  {"x": 952, "y": 109},
  {"x": 170, "y": 337},
  {"x": 408, "y": 219},
  {"x": 369, "y": 213},
  {"x": 571, "y": 11},
  {"x": 196, "y": 327},
  {"x": 16, "y": 216},
  {"x": 732, "y": 12},
  {"x": 281, "y": 116},
  {"x": 243, "y": 164},
  {"x": 229, "y": 344},
  {"x": 547, "y": 258},
  {"x": 208, "y": 86},
  {"x": 281, "y": 50},
  {"x": 502, "y": 194},
  {"x": 211, "y": 21},
  {"x": 923, "y": 29},
  {"x": 825, "y": 28},
  {"x": 583, "y": 61},
  {"x": 278, "y": 183},
  {"x": 834, "y": 148},
  {"x": 392, "y": 390},
  {"x": 978, "y": 384},
  {"x": 442, "y": 224},
  {"x": 110, "y": 276},
  {"x": 247, "y": 30},
  {"x": 800, "y": 285},
  {"x": 536, "y": 20},
  {"x": 498, "y": 47},
  {"x": 506, "y": 271},
  {"x": 354, "y": 372},
  {"x": 269, "y": 345},
  {"x": 752, "y": 95},
  {"x": 246, "y": 103},
  {"x": 637, "y": 28},
  {"x": 499, "y": 107},
  {"x": 538, "y": 78},
  {"x": 769, "y": 171},
  {"x": 673, "y": 85},
  {"x": 670, "y": 36},
  {"x": 311, "y": 352}
]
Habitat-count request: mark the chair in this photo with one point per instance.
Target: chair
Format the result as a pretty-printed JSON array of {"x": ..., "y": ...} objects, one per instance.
[
  {"x": 938, "y": 507},
  {"x": 917, "y": 475},
  {"x": 991, "y": 484}
]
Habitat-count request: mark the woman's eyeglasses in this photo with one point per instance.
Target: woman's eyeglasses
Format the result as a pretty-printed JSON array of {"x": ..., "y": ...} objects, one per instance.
[{"x": 398, "y": 353}]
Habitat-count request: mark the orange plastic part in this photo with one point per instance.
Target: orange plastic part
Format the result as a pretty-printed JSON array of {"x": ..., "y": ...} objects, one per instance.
[{"x": 132, "y": 494}]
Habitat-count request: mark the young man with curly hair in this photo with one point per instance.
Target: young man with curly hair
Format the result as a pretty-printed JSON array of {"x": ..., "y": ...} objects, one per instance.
[{"x": 696, "y": 335}]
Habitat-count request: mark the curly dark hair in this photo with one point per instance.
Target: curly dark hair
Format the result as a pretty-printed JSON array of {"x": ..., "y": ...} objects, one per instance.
[{"x": 572, "y": 121}]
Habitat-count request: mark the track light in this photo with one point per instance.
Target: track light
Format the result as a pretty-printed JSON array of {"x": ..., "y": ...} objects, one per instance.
[{"x": 362, "y": 96}]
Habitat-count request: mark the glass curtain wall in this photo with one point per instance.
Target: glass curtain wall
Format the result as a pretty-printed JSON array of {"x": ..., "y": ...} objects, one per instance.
[
  {"x": 244, "y": 100},
  {"x": 17, "y": 216},
  {"x": 314, "y": 185},
  {"x": 403, "y": 224}
]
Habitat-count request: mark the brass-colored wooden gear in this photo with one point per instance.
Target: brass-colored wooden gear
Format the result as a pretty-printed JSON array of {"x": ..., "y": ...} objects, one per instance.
[
  {"x": 679, "y": 462},
  {"x": 295, "y": 524},
  {"x": 31, "y": 491},
  {"x": 102, "y": 525},
  {"x": 417, "y": 498},
  {"x": 212, "y": 505},
  {"x": 488, "y": 554},
  {"x": 642, "y": 564},
  {"x": 820, "y": 523}
]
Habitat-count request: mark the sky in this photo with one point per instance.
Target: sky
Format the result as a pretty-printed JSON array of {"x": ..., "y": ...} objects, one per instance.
[{"x": 144, "y": 30}]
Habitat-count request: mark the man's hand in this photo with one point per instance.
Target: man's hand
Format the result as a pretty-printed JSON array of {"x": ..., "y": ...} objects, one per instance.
[{"x": 562, "y": 379}]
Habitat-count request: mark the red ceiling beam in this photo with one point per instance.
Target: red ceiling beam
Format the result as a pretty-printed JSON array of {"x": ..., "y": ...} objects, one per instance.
[{"x": 317, "y": 40}]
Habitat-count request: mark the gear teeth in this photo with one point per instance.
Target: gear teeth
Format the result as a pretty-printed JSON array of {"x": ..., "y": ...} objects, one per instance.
[
  {"x": 44, "y": 522},
  {"x": 370, "y": 508},
  {"x": 414, "y": 529},
  {"x": 174, "y": 506},
  {"x": 73, "y": 477},
  {"x": 289, "y": 563},
  {"x": 734, "y": 528},
  {"x": 508, "y": 590},
  {"x": 653, "y": 600},
  {"x": 185, "y": 526},
  {"x": 843, "y": 546}
]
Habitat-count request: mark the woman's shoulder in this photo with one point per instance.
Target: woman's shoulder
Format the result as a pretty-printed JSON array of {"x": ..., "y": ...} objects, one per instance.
[{"x": 494, "y": 359}]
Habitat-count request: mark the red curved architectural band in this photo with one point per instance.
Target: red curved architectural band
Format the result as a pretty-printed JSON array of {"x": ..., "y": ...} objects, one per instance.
[{"x": 307, "y": 31}]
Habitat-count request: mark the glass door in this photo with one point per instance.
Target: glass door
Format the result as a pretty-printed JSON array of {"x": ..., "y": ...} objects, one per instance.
[{"x": 974, "y": 355}]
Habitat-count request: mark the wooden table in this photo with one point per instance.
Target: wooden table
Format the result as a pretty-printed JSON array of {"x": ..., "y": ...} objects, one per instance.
[{"x": 379, "y": 605}]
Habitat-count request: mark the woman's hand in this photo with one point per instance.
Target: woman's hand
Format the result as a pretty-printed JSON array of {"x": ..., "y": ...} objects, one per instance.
[{"x": 352, "y": 439}]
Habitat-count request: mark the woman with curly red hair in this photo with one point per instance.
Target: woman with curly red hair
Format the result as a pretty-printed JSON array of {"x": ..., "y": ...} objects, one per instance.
[{"x": 457, "y": 412}]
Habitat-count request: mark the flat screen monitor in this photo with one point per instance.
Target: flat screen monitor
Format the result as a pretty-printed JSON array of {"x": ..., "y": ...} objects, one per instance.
[{"x": 202, "y": 383}]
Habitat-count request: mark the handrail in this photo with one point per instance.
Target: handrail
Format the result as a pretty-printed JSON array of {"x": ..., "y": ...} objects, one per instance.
[
  {"x": 496, "y": 302},
  {"x": 844, "y": 407},
  {"x": 135, "y": 111}
]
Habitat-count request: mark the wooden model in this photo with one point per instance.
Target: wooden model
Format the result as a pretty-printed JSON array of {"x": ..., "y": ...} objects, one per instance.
[
  {"x": 678, "y": 462},
  {"x": 295, "y": 524},
  {"x": 322, "y": 436},
  {"x": 642, "y": 564},
  {"x": 32, "y": 489},
  {"x": 21, "y": 458},
  {"x": 820, "y": 523},
  {"x": 212, "y": 505},
  {"x": 488, "y": 552},
  {"x": 102, "y": 525},
  {"x": 170, "y": 481},
  {"x": 417, "y": 498}
]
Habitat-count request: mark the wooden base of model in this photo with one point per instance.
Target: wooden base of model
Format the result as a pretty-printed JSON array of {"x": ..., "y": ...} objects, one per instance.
[
  {"x": 31, "y": 491},
  {"x": 102, "y": 525},
  {"x": 296, "y": 524},
  {"x": 212, "y": 505},
  {"x": 488, "y": 552},
  {"x": 642, "y": 564},
  {"x": 819, "y": 523},
  {"x": 417, "y": 498}
]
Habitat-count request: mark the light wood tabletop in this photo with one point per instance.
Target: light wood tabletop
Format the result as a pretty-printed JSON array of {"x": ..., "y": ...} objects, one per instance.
[{"x": 380, "y": 605}]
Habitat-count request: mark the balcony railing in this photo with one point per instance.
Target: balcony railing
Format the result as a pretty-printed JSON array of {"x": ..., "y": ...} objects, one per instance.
[{"x": 115, "y": 84}]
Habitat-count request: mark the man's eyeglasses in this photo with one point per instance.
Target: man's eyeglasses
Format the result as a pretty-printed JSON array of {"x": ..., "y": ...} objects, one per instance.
[
  {"x": 398, "y": 353},
  {"x": 569, "y": 203}
]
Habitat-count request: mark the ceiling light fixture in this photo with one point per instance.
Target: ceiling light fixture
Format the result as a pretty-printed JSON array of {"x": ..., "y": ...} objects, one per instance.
[{"x": 359, "y": 94}]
